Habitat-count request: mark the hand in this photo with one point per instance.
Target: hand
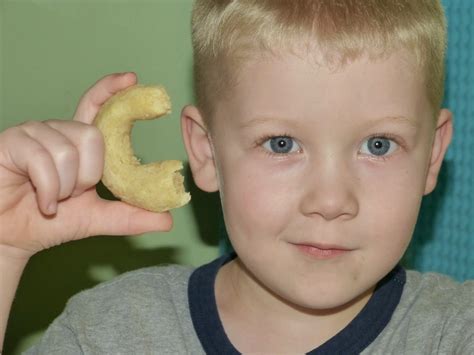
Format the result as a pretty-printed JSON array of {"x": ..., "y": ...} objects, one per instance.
[{"x": 48, "y": 173}]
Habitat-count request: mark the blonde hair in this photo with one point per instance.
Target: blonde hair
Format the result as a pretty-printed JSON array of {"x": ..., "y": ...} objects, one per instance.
[{"x": 227, "y": 32}]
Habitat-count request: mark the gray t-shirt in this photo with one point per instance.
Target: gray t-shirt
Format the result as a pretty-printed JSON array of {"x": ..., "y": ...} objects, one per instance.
[{"x": 147, "y": 312}]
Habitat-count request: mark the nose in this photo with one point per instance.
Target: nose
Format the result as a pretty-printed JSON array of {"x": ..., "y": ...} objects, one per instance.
[{"x": 330, "y": 191}]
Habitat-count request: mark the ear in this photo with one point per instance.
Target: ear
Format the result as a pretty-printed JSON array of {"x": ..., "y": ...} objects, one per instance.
[
  {"x": 442, "y": 138},
  {"x": 199, "y": 149}
]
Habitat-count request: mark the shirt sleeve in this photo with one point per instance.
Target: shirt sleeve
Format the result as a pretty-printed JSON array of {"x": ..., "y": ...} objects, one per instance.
[
  {"x": 59, "y": 338},
  {"x": 458, "y": 337}
]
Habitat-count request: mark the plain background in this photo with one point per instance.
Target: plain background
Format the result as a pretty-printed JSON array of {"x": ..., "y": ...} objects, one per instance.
[{"x": 51, "y": 52}]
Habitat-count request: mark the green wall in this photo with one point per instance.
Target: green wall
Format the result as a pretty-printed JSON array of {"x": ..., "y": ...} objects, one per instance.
[{"x": 51, "y": 52}]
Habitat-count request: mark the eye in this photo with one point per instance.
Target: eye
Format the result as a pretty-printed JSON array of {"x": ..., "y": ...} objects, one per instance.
[
  {"x": 281, "y": 145},
  {"x": 378, "y": 146}
]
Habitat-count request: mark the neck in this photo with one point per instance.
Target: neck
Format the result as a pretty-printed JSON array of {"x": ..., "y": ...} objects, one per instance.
[{"x": 248, "y": 307}]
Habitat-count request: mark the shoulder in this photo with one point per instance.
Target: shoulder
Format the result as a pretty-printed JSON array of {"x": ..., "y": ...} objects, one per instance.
[
  {"x": 138, "y": 287},
  {"x": 439, "y": 291},
  {"x": 135, "y": 312},
  {"x": 135, "y": 296},
  {"x": 435, "y": 315},
  {"x": 150, "y": 277}
]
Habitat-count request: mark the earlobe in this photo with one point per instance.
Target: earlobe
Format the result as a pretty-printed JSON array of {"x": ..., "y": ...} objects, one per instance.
[
  {"x": 199, "y": 149},
  {"x": 442, "y": 139}
]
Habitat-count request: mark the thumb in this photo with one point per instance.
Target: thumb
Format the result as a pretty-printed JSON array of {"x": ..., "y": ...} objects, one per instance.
[
  {"x": 101, "y": 91},
  {"x": 119, "y": 218}
]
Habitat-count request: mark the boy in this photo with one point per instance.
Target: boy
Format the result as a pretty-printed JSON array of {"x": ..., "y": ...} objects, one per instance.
[{"x": 319, "y": 122}]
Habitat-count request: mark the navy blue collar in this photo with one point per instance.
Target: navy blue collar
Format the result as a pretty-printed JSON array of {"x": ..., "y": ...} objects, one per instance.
[{"x": 353, "y": 339}]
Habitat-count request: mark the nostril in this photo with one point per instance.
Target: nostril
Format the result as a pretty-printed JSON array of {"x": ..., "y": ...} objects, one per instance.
[{"x": 330, "y": 206}]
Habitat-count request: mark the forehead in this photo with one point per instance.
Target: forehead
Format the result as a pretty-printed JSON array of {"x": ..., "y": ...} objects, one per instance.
[{"x": 292, "y": 86}]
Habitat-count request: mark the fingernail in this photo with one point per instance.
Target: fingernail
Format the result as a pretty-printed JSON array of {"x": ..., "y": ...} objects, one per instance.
[{"x": 52, "y": 208}]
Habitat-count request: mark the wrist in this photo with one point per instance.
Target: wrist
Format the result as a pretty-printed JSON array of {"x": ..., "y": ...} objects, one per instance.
[
  {"x": 12, "y": 264},
  {"x": 13, "y": 257}
]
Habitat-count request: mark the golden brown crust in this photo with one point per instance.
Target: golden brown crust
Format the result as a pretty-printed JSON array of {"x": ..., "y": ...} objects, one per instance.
[{"x": 157, "y": 186}]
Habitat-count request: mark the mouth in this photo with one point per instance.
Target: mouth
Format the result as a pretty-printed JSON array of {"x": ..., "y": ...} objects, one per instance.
[{"x": 321, "y": 251}]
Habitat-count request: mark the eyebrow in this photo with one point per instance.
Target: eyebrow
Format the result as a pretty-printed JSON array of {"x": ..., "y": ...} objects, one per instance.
[
  {"x": 264, "y": 119},
  {"x": 408, "y": 120}
]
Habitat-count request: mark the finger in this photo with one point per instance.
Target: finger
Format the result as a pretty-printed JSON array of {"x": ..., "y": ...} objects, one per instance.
[
  {"x": 31, "y": 159},
  {"x": 103, "y": 89},
  {"x": 63, "y": 151},
  {"x": 90, "y": 143},
  {"x": 119, "y": 218}
]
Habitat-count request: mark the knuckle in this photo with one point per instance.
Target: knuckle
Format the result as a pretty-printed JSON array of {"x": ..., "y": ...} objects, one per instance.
[
  {"x": 32, "y": 126},
  {"x": 87, "y": 182},
  {"x": 10, "y": 134},
  {"x": 66, "y": 153},
  {"x": 40, "y": 159},
  {"x": 39, "y": 153},
  {"x": 93, "y": 136},
  {"x": 53, "y": 122}
]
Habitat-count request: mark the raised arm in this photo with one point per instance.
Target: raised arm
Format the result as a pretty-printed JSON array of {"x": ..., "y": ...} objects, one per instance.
[{"x": 48, "y": 173}]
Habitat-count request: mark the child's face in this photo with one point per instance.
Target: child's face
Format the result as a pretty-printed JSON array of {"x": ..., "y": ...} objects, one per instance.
[{"x": 322, "y": 173}]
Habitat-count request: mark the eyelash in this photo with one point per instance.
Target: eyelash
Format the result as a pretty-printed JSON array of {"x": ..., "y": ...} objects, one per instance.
[
  {"x": 260, "y": 141},
  {"x": 388, "y": 136}
]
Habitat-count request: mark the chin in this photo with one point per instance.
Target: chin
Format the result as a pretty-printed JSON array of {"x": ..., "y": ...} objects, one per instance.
[{"x": 327, "y": 300}]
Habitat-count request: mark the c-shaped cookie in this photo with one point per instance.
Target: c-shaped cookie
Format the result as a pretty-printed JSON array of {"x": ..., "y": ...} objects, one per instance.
[{"x": 156, "y": 186}]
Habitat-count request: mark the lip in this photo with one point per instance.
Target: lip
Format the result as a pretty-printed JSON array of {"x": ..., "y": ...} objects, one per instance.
[{"x": 321, "y": 251}]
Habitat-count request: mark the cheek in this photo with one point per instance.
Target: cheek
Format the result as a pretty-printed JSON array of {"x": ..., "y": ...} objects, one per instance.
[
  {"x": 394, "y": 199},
  {"x": 254, "y": 203}
]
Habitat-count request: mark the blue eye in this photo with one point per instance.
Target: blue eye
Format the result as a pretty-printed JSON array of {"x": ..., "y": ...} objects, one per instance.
[
  {"x": 378, "y": 146},
  {"x": 281, "y": 145}
]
